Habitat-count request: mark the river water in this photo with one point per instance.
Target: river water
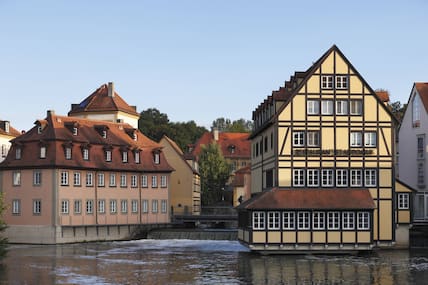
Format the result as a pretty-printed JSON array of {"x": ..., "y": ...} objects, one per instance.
[{"x": 202, "y": 262}]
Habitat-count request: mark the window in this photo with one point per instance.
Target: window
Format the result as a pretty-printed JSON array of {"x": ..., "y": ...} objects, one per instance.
[
  {"x": 37, "y": 178},
  {"x": 421, "y": 147},
  {"x": 163, "y": 181},
  {"x": 16, "y": 207},
  {"x": 123, "y": 180},
  {"x": 124, "y": 156},
  {"x": 299, "y": 139},
  {"x": 137, "y": 156},
  {"x": 370, "y": 139},
  {"x": 313, "y": 177},
  {"x": 134, "y": 181},
  {"x": 313, "y": 138},
  {"x": 85, "y": 153},
  {"x": 348, "y": 220},
  {"x": 101, "y": 206},
  {"x": 327, "y": 82},
  {"x": 104, "y": 134},
  {"x": 318, "y": 220},
  {"x": 108, "y": 155},
  {"x": 156, "y": 158},
  {"x": 74, "y": 131},
  {"x": 341, "y": 82},
  {"x": 403, "y": 201},
  {"x": 76, "y": 179},
  {"x": 124, "y": 206},
  {"x": 113, "y": 206},
  {"x": 274, "y": 220},
  {"x": 341, "y": 178},
  {"x": 144, "y": 181},
  {"x": 89, "y": 206},
  {"x": 356, "y": 139},
  {"x": 370, "y": 178},
  {"x": 154, "y": 181},
  {"x": 288, "y": 221},
  {"x": 327, "y": 107},
  {"x": 356, "y": 178},
  {"x": 42, "y": 152},
  {"x": 298, "y": 177},
  {"x": 164, "y": 206},
  {"x": 37, "y": 207},
  {"x": 154, "y": 206},
  {"x": 16, "y": 178},
  {"x": 303, "y": 220},
  {"x": 134, "y": 206},
  {"x": 101, "y": 182},
  {"x": 77, "y": 206},
  {"x": 64, "y": 178},
  {"x": 327, "y": 177},
  {"x": 341, "y": 107},
  {"x": 313, "y": 107},
  {"x": 145, "y": 206},
  {"x": 416, "y": 111},
  {"x": 68, "y": 153},
  {"x": 18, "y": 153},
  {"x": 258, "y": 220},
  {"x": 112, "y": 180},
  {"x": 363, "y": 222},
  {"x": 64, "y": 207},
  {"x": 333, "y": 220},
  {"x": 356, "y": 107},
  {"x": 421, "y": 174},
  {"x": 89, "y": 179}
]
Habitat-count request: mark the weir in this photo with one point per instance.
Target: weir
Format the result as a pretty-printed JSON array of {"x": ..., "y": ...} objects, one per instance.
[{"x": 194, "y": 234}]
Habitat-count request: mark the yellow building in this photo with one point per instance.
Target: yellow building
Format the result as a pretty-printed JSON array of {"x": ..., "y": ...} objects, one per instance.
[{"x": 323, "y": 160}]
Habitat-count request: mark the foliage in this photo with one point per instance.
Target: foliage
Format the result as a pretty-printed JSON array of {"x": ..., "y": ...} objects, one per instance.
[
  {"x": 398, "y": 110},
  {"x": 214, "y": 171},
  {"x": 155, "y": 124},
  {"x": 237, "y": 126},
  {"x": 3, "y": 241}
]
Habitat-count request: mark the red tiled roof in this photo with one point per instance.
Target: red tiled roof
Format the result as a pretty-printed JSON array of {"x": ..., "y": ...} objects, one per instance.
[
  {"x": 422, "y": 88},
  {"x": 57, "y": 132},
  {"x": 311, "y": 199},
  {"x": 240, "y": 142},
  {"x": 383, "y": 95},
  {"x": 100, "y": 101},
  {"x": 12, "y": 131}
]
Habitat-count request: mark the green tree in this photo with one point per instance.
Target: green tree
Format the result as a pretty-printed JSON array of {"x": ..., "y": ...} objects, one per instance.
[
  {"x": 3, "y": 226},
  {"x": 237, "y": 126},
  {"x": 398, "y": 110},
  {"x": 214, "y": 171}
]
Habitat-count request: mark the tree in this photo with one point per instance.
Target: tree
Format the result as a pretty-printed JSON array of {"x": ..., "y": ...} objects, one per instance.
[
  {"x": 398, "y": 110},
  {"x": 3, "y": 226},
  {"x": 214, "y": 171},
  {"x": 237, "y": 126}
]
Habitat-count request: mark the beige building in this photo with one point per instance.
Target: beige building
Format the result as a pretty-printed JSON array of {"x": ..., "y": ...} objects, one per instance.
[
  {"x": 70, "y": 179},
  {"x": 7, "y": 133},
  {"x": 322, "y": 166},
  {"x": 241, "y": 185},
  {"x": 185, "y": 182}
]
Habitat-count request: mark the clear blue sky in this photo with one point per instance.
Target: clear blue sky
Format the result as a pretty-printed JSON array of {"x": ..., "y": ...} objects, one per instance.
[{"x": 196, "y": 60}]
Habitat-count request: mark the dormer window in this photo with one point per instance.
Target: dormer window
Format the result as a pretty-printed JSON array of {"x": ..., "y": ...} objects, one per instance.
[
  {"x": 74, "y": 131},
  {"x": 104, "y": 134},
  {"x": 68, "y": 152},
  {"x": 156, "y": 157},
  {"x": 42, "y": 151},
  {"x": 108, "y": 155},
  {"x": 232, "y": 149},
  {"x": 124, "y": 156},
  {"x": 18, "y": 152},
  {"x": 137, "y": 156},
  {"x": 85, "y": 153},
  {"x": 135, "y": 136},
  {"x": 39, "y": 129},
  {"x": 6, "y": 126}
]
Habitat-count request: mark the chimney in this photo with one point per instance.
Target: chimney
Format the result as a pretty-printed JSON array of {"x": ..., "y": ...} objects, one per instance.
[
  {"x": 215, "y": 134},
  {"x": 50, "y": 113},
  {"x": 110, "y": 89}
]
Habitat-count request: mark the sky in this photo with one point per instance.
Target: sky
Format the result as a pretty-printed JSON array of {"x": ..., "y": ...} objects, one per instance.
[{"x": 197, "y": 60}]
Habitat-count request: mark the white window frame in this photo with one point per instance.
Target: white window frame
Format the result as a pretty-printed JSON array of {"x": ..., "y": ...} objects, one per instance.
[
  {"x": 313, "y": 138},
  {"x": 164, "y": 206},
  {"x": 299, "y": 138},
  {"x": 18, "y": 153},
  {"x": 124, "y": 206},
  {"x": 37, "y": 207},
  {"x": 356, "y": 177},
  {"x": 122, "y": 180},
  {"x": 355, "y": 107},
  {"x": 363, "y": 220},
  {"x": 341, "y": 82},
  {"x": 85, "y": 154},
  {"x": 144, "y": 183},
  {"x": 68, "y": 153},
  {"x": 164, "y": 183},
  {"x": 274, "y": 220},
  {"x": 370, "y": 178},
  {"x": 154, "y": 181},
  {"x": 327, "y": 177},
  {"x": 333, "y": 220},
  {"x": 155, "y": 205},
  {"x": 259, "y": 220},
  {"x": 348, "y": 220},
  {"x": 16, "y": 207},
  {"x": 43, "y": 152},
  {"x": 288, "y": 220},
  {"x": 112, "y": 180},
  {"x": 113, "y": 206},
  {"x": 108, "y": 155},
  {"x": 134, "y": 206},
  {"x": 313, "y": 179},
  {"x": 303, "y": 220},
  {"x": 370, "y": 139},
  {"x": 76, "y": 179},
  {"x": 37, "y": 178},
  {"x": 145, "y": 206},
  {"x": 313, "y": 107},
  {"x": 77, "y": 206},
  {"x": 16, "y": 178},
  {"x": 327, "y": 82},
  {"x": 356, "y": 139},
  {"x": 341, "y": 177},
  {"x": 341, "y": 107},
  {"x": 102, "y": 206},
  {"x": 134, "y": 181},
  {"x": 318, "y": 220},
  {"x": 89, "y": 206},
  {"x": 89, "y": 179},
  {"x": 101, "y": 180},
  {"x": 157, "y": 158},
  {"x": 64, "y": 178},
  {"x": 403, "y": 201},
  {"x": 298, "y": 177},
  {"x": 124, "y": 156},
  {"x": 327, "y": 107},
  {"x": 64, "y": 207},
  {"x": 137, "y": 157}
]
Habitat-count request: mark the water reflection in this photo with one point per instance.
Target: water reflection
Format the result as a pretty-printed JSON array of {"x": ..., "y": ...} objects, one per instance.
[{"x": 202, "y": 262}]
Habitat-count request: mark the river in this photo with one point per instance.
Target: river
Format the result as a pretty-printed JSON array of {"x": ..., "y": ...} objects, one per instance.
[{"x": 202, "y": 262}]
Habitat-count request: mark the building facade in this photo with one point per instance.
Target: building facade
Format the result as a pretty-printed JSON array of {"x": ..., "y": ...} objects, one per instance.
[
  {"x": 412, "y": 148},
  {"x": 7, "y": 133},
  {"x": 185, "y": 181},
  {"x": 322, "y": 165}
]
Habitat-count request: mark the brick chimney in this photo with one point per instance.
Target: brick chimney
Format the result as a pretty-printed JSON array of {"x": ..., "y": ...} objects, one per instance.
[{"x": 110, "y": 89}]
